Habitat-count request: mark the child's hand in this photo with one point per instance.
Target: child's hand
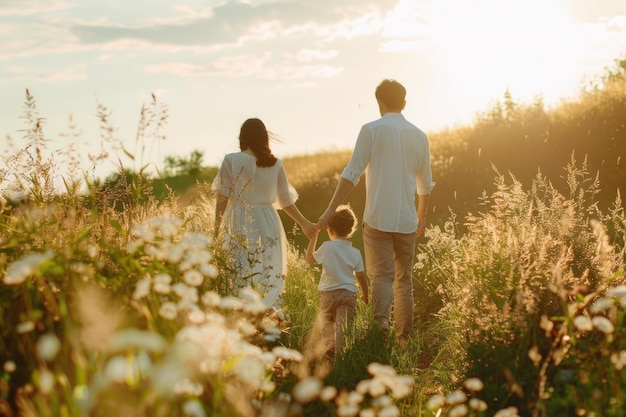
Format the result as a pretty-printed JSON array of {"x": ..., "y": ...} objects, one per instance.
[{"x": 364, "y": 298}]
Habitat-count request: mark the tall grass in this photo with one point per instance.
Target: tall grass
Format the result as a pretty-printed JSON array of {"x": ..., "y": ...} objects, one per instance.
[{"x": 116, "y": 302}]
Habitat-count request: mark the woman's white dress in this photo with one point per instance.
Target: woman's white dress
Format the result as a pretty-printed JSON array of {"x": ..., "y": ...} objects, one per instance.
[{"x": 251, "y": 227}]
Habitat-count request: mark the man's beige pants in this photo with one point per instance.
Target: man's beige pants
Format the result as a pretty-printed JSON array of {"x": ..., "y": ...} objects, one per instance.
[{"x": 389, "y": 263}]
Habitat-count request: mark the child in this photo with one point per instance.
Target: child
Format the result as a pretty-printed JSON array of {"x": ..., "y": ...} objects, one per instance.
[{"x": 340, "y": 264}]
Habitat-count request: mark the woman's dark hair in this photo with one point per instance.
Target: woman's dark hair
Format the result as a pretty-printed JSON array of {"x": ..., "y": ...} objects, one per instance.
[
  {"x": 253, "y": 135},
  {"x": 343, "y": 221},
  {"x": 391, "y": 93}
]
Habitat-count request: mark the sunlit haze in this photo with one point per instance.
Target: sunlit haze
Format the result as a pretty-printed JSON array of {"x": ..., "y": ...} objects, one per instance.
[{"x": 307, "y": 68}]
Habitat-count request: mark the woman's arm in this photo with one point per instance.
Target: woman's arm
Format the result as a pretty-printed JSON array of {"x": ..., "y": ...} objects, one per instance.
[
  {"x": 309, "y": 229},
  {"x": 220, "y": 208}
]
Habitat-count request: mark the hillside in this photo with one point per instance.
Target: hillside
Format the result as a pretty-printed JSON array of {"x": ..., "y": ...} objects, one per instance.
[{"x": 513, "y": 139}]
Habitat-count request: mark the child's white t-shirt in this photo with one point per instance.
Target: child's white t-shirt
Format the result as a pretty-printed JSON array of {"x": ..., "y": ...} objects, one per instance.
[{"x": 339, "y": 262}]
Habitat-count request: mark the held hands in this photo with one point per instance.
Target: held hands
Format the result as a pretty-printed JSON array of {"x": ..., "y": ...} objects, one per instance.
[
  {"x": 322, "y": 223},
  {"x": 310, "y": 229}
]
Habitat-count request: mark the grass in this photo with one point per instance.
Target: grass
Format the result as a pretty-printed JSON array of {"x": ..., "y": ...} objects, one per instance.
[{"x": 115, "y": 301}]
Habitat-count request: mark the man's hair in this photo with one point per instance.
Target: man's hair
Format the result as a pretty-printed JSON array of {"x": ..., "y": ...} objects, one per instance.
[
  {"x": 391, "y": 93},
  {"x": 343, "y": 221}
]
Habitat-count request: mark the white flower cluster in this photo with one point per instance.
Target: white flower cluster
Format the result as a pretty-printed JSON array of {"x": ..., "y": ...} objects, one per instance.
[
  {"x": 457, "y": 403},
  {"x": 614, "y": 297},
  {"x": 158, "y": 239},
  {"x": 212, "y": 350},
  {"x": 25, "y": 267},
  {"x": 370, "y": 398}
]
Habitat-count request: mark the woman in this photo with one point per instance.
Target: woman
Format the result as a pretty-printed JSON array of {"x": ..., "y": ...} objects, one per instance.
[{"x": 251, "y": 186}]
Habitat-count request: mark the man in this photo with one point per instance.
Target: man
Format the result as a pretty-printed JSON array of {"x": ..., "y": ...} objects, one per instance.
[{"x": 395, "y": 156}]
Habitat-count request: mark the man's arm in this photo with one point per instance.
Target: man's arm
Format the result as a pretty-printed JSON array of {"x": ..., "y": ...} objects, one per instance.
[
  {"x": 422, "y": 211},
  {"x": 344, "y": 187}
]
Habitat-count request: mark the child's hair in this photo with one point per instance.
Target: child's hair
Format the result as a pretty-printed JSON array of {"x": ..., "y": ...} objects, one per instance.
[{"x": 343, "y": 221}]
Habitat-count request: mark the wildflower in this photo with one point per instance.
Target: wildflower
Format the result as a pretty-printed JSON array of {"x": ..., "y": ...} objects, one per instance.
[
  {"x": 534, "y": 355},
  {"x": 161, "y": 283},
  {"x": 48, "y": 346},
  {"x": 368, "y": 412},
  {"x": 376, "y": 388},
  {"x": 193, "y": 408},
  {"x": 175, "y": 254},
  {"x": 9, "y": 367},
  {"x": 328, "y": 393},
  {"x": 348, "y": 410},
  {"x": 389, "y": 411},
  {"x": 186, "y": 386},
  {"x": 435, "y": 402},
  {"x": 601, "y": 305},
  {"x": 46, "y": 381},
  {"x": 142, "y": 288},
  {"x": 363, "y": 386},
  {"x": 271, "y": 334},
  {"x": 287, "y": 354},
  {"x": 92, "y": 251},
  {"x": 193, "y": 277},
  {"x": 134, "y": 339},
  {"x": 168, "y": 226},
  {"x": 209, "y": 270},
  {"x": 196, "y": 315},
  {"x": 115, "y": 369},
  {"x": 507, "y": 412},
  {"x": 603, "y": 324},
  {"x": 142, "y": 233},
  {"x": 15, "y": 193},
  {"x": 168, "y": 310},
  {"x": 211, "y": 299},
  {"x": 477, "y": 404},
  {"x": 376, "y": 368},
  {"x": 231, "y": 303},
  {"x": 355, "y": 397},
  {"x": 25, "y": 327},
  {"x": 458, "y": 410},
  {"x": 382, "y": 401},
  {"x": 307, "y": 389},
  {"x": 474, "y": 384},
  {"x": 401, "y": 386},
  {"x": 25, "y": 267},
  {"x": 619, "y": 360},
  {"x": 253, "y": 303},
  {"x": 156, "y": 252},
  {"x": 546, "y": 324},
  {"x": 583, "y": 323},
  {"x": 456, "y": 397},
  {"x": 617, "y": 292},
  {"x": 185, "y": 292},
  {"x": 196, "y": 258}
]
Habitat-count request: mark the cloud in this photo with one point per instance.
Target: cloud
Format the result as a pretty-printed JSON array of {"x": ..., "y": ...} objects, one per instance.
[
  {"x": 31, "y": 7},
  {"x": 263, "y": 66},
  {"x": 75, "y": 72}
]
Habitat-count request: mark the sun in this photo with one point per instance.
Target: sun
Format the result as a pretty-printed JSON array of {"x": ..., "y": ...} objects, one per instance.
[{"x": 478, "y": 50}]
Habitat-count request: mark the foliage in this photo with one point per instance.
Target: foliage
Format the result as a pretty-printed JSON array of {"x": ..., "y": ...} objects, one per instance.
[{"x": 119, "y": 301}]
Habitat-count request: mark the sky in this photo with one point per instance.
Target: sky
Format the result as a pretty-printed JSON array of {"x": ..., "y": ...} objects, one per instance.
[{"x": 307, "y": 68}]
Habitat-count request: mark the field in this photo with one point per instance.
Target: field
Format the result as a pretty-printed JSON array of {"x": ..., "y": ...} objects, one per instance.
[{"x": 118, "y": 300}]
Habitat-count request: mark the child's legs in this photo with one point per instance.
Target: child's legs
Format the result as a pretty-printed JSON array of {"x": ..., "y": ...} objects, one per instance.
[{"x": 346, "y": 310}]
